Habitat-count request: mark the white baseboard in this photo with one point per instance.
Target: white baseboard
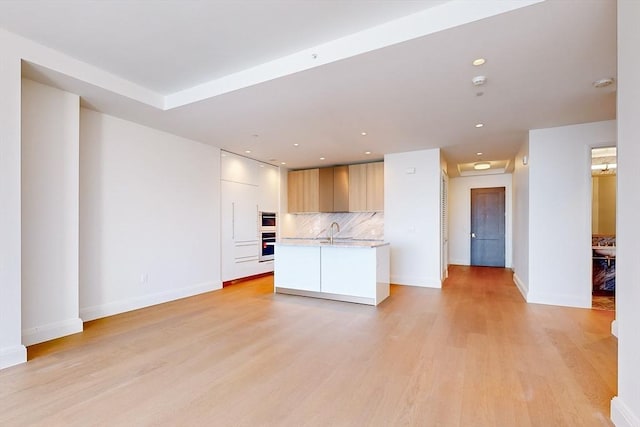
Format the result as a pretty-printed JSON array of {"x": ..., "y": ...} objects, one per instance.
[
  {"x": 51, "y": 331},
  {"x": 423, "y": 282},
  {"x": 559, "y": 300},
  {"x": 614, "y": 328},
  {"x": 11, "y": 356},
  {"x": 117, "y": 307},
  {"x": 522, "y": 287},
  {"x": 621, "y": 415}
]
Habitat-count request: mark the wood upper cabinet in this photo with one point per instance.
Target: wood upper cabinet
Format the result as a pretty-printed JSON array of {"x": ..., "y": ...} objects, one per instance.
[
  {"x": 303, "y": 190},
  {"x": 366, "y": 187},
  {"x": 353, "y": 188},
  {"x": 319, "y": 190},
  {"x": 375, "y": 186},
  {"x": 358, "y": 188},
  {"x": 341, "y": 189}
]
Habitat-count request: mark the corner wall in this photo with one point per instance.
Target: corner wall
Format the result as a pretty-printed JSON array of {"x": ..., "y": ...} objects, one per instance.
[
  {"x": 560, "y": 211},
  {"x": 412, "y": 216},
  {"x": 50, "y": 169},
  {"x": 625, "y": 408},
  {"x": 521, "y": 219},
  {"x": 149, "y": 216},
  {"x": 12, "y": 351}
]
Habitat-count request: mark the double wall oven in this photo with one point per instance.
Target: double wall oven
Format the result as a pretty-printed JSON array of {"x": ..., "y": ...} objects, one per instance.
[{"x": 267, "y": 222}]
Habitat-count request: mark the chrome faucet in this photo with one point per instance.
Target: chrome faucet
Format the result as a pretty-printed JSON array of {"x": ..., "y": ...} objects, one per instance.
[{"x": 331, "y": 231}]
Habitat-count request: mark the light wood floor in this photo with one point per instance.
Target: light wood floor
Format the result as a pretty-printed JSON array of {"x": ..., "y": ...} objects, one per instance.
[{"x": 471, "y": 354}]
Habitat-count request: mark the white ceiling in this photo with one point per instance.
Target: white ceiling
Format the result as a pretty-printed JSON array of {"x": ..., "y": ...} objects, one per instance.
[{"x": 407, "y": 91}]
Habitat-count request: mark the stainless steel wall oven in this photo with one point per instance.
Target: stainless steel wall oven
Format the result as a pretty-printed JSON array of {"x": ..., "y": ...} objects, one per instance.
[{"x": 268, "y": 223}]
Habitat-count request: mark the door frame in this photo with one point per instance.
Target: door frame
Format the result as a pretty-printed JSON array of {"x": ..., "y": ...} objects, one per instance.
[{"x": 460, "y": 215}]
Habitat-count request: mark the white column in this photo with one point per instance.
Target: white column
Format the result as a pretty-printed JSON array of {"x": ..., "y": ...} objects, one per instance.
[
  {"x": 625, "y": 408},
  {"x": 12, "y": 351}
]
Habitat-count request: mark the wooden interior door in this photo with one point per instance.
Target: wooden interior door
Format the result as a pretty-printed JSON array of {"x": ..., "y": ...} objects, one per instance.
[{"x": 488, "y": 226}]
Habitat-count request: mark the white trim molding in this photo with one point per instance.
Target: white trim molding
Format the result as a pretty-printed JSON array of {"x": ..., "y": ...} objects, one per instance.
[
  {"x": 51, "y": 331},
  {"x": 621, "y": 415},
  {"x": 117, "y": 307},
  {"x": 12, "y": 356}
]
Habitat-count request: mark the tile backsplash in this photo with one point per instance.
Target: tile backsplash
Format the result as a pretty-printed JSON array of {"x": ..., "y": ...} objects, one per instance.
[{"x": 360, "y": 225}]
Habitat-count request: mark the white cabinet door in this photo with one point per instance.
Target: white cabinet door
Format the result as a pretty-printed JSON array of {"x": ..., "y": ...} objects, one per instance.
[
  {"x": 297, "y": 267},
  {"x": 245, "y": 220},
  {"x": 239, "y": 169},
  {"x": 269, "y": 198},
  {"x": 239, "y": 230},
  {"x": 349, "y": 271}
]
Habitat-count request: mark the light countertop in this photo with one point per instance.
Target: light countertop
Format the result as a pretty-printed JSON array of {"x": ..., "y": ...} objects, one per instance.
[{"x": 342, "y": 243}]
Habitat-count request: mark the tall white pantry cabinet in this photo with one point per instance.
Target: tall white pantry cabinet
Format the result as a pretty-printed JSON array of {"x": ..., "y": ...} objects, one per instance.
[{"x": 246, "y": 188}]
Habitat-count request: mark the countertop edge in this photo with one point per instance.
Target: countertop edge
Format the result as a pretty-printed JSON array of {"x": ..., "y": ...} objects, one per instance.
[{"x": 339, "y": 244}]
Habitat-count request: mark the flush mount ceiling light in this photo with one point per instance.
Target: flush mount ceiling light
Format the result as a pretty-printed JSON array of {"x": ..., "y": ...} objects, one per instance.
[
  {"x": 247, "y": 151},
  {"x": 296, "y": 144},
  {"x": 479, "y": 125},
  {"x": 482, "y": 166},
  {"x": 603, "y": 82},
  {"x": 363, "y": 133},
  {"x": 321, "y": 158},
  {"x": 367, "y": 152},
  {"x": 479, "y": 61}
]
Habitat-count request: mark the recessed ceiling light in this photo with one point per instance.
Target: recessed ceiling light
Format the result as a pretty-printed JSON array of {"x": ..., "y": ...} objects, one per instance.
[
  {"x": 479, "y": 125},
  {"x": 321, "y": 158},
  {"x": 479, "y": 61},
  {"x": 363, "y": 133},
  {"x": 479, "y": 153},
  {"x": 283, "y": 163},
  {"x": 296, "y": 144},
  {"x": 482, "y": 166},
  {"x": 367, "y": 152},
  {"x": 247, "y": 151}
]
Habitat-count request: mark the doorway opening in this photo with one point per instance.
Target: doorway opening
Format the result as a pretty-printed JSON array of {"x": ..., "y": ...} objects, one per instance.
[
  {"x": 603, "y": 227},
  {"x": 488, "y": 227}
]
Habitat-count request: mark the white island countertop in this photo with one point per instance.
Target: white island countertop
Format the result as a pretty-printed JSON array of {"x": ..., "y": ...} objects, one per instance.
[{"x": 345, "y": 243}]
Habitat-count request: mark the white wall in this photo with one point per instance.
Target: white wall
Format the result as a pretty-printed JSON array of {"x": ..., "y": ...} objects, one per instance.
[
  {"x": 520, "y": 239},
  {"x": 560, "y": 211},
  {"x": 412, "y": 216},
  {"x": 460, "y": 214},
  {"x": 12, "y": 351},
  {"x": 50, "y": 169},
  {"x": 625, "y": 408},
  {"x": 149, "y": 216}
]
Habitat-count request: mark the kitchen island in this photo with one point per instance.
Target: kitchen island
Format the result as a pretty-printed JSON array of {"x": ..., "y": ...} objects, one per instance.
[{"x": 345, "y": 270}]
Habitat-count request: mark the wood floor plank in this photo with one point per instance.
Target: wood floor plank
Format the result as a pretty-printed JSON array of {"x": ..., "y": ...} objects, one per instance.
[{"x": 471, "y": 353}]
